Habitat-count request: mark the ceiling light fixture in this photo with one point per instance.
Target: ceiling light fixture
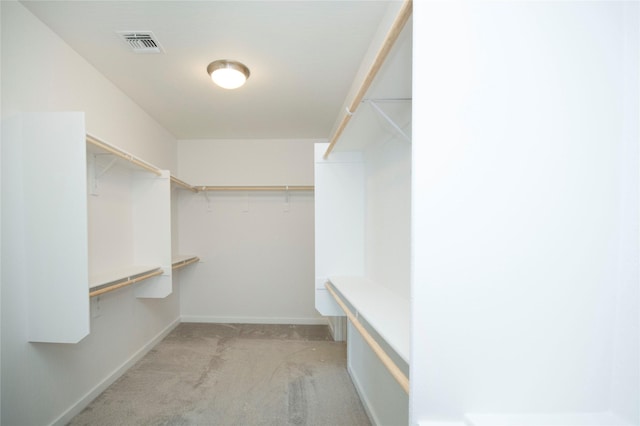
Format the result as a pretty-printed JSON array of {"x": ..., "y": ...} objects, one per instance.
[{"x": 228, "y": 74}]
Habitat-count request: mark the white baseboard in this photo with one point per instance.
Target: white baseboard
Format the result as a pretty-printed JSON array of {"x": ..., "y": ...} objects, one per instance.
[
  {"x": 80, "y": 405},
  {"x": 254, "y": 320}
]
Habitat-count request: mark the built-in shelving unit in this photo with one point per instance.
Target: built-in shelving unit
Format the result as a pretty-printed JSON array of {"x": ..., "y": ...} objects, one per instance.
[
  {"x": 362, "y": 244},
  {"x": 130, "y": 199},
  {"x": 92, "y": 217},
  {"x": 48, "y": 211}
]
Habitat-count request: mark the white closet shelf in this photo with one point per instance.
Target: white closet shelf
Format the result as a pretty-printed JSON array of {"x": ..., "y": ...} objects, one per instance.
[
  {"x": 386, "y": 312},
  {"x": 181, "y": 260},
  {"x": 113, "y": 280},
  {"x": 96, "y": 146},
  {"x": 392, "y": 36}
]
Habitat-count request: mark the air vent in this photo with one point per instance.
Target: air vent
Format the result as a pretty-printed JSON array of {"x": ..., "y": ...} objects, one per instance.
[{"x": 141, "y": 41}]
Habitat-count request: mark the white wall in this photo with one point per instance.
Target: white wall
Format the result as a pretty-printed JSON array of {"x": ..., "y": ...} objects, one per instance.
[
  {"x": 40, "y": 382},
  {"x": 525, "y": 209},
  {"x": 388, "y": 214},
  {"x": 246, "y": 162},
  {"x": 256, "y": 250}
]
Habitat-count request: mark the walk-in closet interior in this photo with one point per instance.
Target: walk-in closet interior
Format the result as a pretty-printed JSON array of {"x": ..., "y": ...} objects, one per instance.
[{"x": 451, "y": 188}]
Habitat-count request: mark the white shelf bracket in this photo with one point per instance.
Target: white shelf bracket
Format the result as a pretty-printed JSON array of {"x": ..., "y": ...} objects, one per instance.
[
  {"x": 107, "y": 167},
  {"x": 94, "y": 175},
  {"x": 286, "y": 198},
  {"x": 245, "y": 207},
  {"x": 388, "y": 119},
  {"x": 206, "y": 197}
]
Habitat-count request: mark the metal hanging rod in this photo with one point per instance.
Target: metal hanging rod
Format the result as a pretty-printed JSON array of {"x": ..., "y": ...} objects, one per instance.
[
  {"x": 185, "y": 262},
  {"x": 395, "y": 371},
  {"x": 389, "y": 41}
]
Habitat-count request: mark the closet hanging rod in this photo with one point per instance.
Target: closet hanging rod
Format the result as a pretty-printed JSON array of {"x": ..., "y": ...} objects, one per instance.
[
  {"x": 397, "y": 374},
  {"x": 183, "y": 184},
  {"x": 379, "y": 100},
  {"x": 257, "y": 188},
  {"x": 122, "y": 154},
  {"x": 184, "y": 263},
  {"x": 125, "y": 282},
  {"x": 389, "y": 41}
]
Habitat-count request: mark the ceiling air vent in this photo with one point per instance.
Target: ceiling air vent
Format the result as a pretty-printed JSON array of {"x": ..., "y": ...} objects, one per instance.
[{"x": 141, "y": 41}]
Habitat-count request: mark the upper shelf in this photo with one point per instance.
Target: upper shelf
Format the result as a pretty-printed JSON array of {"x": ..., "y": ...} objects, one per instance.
[
  {"x": 181, "y": 260},
  {"x": 96, "y": 146},
  {"x": 387, "y": 76}
]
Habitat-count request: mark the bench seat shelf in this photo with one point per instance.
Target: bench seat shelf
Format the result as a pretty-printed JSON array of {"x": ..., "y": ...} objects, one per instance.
[{"x": 386, "y": 312}]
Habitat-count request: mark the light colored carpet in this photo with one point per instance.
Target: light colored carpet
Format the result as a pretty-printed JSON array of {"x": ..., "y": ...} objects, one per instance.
[{"x": 233, "y": 374}]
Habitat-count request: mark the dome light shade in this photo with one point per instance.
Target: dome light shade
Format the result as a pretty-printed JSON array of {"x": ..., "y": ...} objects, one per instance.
[{"x": 228, "y": 74}]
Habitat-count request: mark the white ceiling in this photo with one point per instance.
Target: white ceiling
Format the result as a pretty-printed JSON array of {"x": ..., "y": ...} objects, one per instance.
[{"x": 303, "y": 57}]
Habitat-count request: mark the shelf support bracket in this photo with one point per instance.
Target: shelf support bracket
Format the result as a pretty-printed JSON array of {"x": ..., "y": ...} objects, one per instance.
[
  {"x": 93, "y": 174},
  {"x": 206, "y": 197},
  {"x": 388, "y": 119},
  {"x": 286, "y": 198}
]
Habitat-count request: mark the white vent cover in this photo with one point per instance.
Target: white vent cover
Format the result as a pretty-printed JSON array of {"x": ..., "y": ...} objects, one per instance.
[{"x": 141, "y": 41}]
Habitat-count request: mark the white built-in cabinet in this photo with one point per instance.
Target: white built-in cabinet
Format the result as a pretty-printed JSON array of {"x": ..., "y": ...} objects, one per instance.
[
  {"x": 88, "y": 218},
  {"x": 129, "y": 224},
  {"x": 362, "y": 231}
]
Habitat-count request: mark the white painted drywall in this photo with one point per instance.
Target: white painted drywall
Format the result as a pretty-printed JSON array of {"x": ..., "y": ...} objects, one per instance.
[
  {"x": 246, "y": 162},
  {"x": 44, "y": 383},
  {"x": 387, "y": 220},
  {"x": 256, "y": 250},
  {"x": 388, "y": 213},
  {"x": 525, "y": 209}
]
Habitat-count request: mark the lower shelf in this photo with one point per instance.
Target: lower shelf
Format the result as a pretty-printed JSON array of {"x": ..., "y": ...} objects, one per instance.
[
  {"x": 113, "y": 280},
  {"x": 386, "y": 312},
  {"x": 180, "y": 261}
]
